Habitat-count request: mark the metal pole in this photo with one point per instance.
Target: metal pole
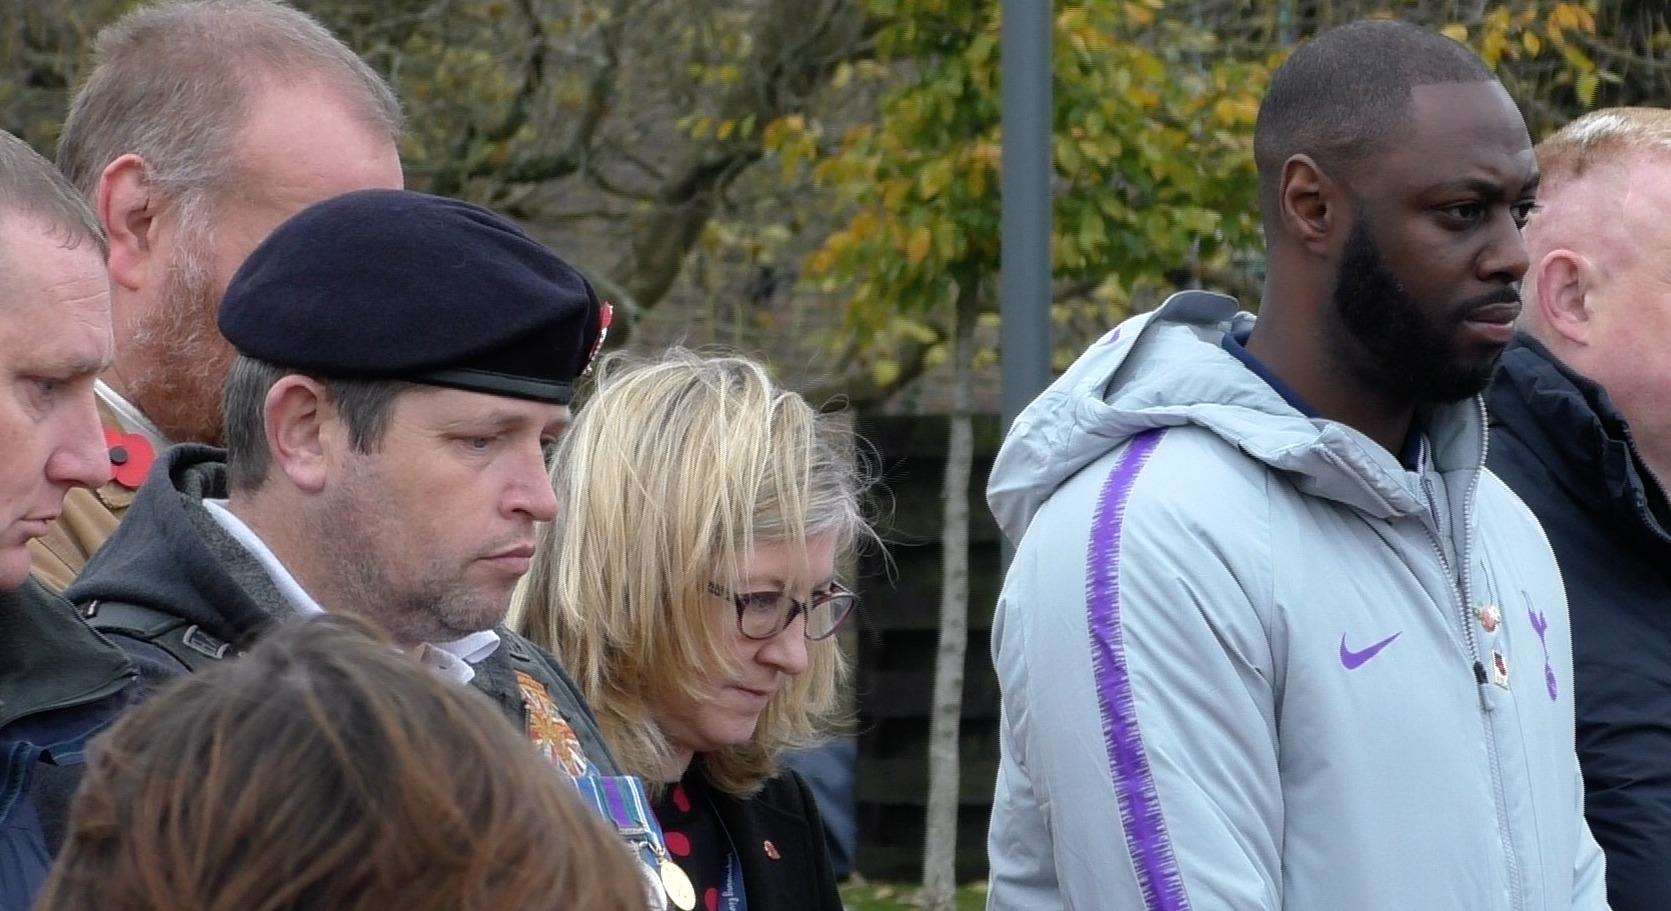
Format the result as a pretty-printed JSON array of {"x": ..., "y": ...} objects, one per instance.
[
  {"x": 1024, "y": 281},
  {"x": 1024, "y": 232}
]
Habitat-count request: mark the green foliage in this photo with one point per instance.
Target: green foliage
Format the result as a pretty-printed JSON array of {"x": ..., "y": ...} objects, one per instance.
[
  {"x": 1153, "y": 179},
  {"x": 1151, "y": 149}
]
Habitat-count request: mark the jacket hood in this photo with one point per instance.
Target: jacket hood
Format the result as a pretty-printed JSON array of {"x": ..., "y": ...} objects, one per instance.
[
  {"x": 1569, "y": 423},
  {"x": 1166, "y": 368},
  {"x": 170, "y": 555}
]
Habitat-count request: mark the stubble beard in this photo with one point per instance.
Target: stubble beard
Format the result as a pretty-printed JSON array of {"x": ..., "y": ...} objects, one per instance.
[{"x": 367, "y": 549}]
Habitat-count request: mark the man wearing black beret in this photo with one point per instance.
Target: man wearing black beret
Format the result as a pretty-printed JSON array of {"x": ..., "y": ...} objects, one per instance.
[{"x": 402, "y": 362}]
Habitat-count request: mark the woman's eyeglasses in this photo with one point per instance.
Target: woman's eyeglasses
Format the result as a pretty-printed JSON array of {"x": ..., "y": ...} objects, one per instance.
[{"x": 763, "y": 614}]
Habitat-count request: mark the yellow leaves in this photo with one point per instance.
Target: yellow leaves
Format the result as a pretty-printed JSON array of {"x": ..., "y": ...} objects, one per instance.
[
  {"x": 1492, "y": 44},
  {"x": 981, "y": 162},
  {"x": 948, "y": 244},
  {"x": 912, "y": 330},
  {"x": 1494, "y": 38},
  {"x": 1578, "y": 60},
  {"x": 698, "y": 126},
  {"x": 1073, "y": 18},
  {"x": 1091, "y": 235},
  {"x": 885, "y": 372},
  {"x": 916, "y": 250},
  {"x": 1237, "y": 110},
  {"x": 1586, "y": 87},
  {"x": 792, "y": 139},
  {"x": 933, "y": 179},
  {"x": 1534, "y": 30},
  {"x": 1571, "y": 17},
  {"x": 895, "y": 192},
  {"x": 781, "y": 131}
]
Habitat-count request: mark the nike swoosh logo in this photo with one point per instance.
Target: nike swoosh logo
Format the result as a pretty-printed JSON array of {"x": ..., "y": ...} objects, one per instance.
[{"x": 1353, "y": 660}]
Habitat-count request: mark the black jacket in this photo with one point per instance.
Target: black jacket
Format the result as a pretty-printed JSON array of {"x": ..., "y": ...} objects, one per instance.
[
  {"x": 202, "y": 596},
  {"x": 60, "y": 683},
  {"x": 780, "y": 820},
  {"x": 1559, "y": 443}
]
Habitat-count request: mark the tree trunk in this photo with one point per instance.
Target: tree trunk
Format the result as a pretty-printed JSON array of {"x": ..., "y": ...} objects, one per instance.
[{"x": 940, "y": 848}]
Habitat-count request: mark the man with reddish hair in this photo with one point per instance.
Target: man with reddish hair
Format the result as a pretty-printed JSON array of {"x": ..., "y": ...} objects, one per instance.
[{"x": 203, "y": 125}]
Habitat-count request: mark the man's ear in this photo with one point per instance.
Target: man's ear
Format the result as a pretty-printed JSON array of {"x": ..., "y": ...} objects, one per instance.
[
  {"x": 301, "y": 430},
  {"x": 1305, "y": 198},
  {"x": 1563, "y": 283},
  {"x": 126, "y": 205}
]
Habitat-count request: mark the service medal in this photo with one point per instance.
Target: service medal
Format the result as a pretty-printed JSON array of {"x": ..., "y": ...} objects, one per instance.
[{"x": 678, "y": 886}]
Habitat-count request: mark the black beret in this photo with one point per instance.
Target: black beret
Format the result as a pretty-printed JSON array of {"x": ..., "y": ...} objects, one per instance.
[{"x": 391, "y": 284}]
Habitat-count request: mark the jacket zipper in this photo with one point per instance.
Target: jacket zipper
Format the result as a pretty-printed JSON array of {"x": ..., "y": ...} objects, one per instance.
[{"x": 1461, "y": 588}]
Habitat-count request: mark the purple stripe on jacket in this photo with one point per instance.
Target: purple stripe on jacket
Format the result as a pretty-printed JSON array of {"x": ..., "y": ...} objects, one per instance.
[{"x": 1134, "y": 785}]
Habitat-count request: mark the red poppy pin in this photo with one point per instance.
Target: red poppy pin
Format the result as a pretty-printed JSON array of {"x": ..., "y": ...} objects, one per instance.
[{"x": 131, "y": 457}]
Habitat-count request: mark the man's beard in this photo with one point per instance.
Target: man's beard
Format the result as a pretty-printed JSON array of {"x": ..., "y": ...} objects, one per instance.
[
  {"x": 183, "y": 356},
  {"x": 1390, "y": 344}
]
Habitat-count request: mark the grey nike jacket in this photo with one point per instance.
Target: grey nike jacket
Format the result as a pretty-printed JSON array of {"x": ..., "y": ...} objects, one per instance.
[{"x": 1251, "y": 661}]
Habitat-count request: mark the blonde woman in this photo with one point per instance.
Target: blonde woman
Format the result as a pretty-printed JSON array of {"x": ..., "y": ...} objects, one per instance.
[{"x": 691, "y": 589}]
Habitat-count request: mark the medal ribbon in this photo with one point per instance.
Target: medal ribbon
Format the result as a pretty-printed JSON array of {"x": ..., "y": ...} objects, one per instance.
[{"x": 620, "y": 799}]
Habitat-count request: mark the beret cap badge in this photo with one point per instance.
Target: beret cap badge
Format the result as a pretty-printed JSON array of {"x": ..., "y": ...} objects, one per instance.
[{"x": 605, "y": 318}]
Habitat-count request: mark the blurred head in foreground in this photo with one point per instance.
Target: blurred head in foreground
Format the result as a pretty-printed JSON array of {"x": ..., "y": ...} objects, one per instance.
[{"x": 326, "y": 770}]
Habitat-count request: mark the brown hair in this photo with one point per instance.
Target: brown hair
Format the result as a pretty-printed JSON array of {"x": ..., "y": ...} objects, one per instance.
[{"x": 325, "y": 770}]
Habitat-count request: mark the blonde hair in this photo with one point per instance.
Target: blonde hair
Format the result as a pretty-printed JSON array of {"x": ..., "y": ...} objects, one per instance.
[
  {"x": 1600, "y": 138},
  {"x": 674, "y": 471}
]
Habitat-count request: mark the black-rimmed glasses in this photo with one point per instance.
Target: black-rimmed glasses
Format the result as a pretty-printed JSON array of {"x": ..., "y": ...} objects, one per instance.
[{"x": 763, "y": 614}]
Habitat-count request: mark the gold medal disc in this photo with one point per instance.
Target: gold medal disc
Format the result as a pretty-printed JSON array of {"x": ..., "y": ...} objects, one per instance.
[{"x": 677, "y": 884}]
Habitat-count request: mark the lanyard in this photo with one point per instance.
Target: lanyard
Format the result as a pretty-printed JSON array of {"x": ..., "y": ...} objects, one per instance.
[{"x": 735, "y": 897}]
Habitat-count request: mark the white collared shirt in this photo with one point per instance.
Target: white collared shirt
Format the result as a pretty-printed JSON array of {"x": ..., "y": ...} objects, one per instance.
[
  {"x": 131, "y": 419},
  {"x": 451, "y": 660}
]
